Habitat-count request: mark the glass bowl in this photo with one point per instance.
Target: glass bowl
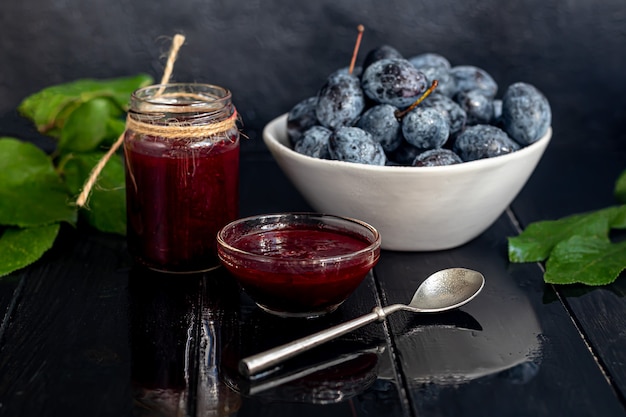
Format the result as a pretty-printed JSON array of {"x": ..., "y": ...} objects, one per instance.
[{"x": 298, "y": 264}]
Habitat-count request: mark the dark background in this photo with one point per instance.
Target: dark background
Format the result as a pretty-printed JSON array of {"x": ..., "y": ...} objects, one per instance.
[{"x": 273, "y": 53}]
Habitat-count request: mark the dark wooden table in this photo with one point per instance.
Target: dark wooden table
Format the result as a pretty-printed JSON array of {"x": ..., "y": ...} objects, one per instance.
[{"x": 85, "y": 333}]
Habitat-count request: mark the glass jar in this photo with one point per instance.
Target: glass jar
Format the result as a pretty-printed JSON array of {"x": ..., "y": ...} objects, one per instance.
[{"x": 181, "y": 153}]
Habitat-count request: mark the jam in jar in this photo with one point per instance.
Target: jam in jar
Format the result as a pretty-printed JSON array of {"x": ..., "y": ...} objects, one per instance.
[{"x": 182, "y": 174}]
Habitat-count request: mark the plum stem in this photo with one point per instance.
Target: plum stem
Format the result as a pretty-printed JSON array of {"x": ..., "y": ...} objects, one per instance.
[
  {"x": 400, "y": 114},
  {"x": 360, "y": 29}
]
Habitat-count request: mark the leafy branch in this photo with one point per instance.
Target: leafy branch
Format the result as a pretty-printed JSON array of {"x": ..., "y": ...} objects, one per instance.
[
  {"x": 577, "y": 248},
  {"x": 37, "y": 191}
]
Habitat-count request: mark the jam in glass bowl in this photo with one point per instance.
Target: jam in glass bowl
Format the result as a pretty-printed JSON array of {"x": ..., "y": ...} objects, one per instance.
[{"x": 298, "y": 264}]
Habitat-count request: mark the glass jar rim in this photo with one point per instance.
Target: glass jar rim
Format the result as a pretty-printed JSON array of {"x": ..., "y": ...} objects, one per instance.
[
  {"x": 180, "y": 97},
  {"x": 281, "y": 221}
]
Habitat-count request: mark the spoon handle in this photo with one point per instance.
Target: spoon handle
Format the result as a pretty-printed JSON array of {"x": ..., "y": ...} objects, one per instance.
[{"x": 261, "y": 361}]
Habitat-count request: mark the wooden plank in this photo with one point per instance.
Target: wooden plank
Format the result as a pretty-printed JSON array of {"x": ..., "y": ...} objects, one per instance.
[
  {"x": 164, "y": 316},
  {"x": 12, "y": 287},
  {"x": 10, "y": 290},
  {"x": 342, "y": 375},
  {"x": 66, "y": 349},
  {"x": 508, "y": 352},
  {"x": 570, "y": 179},
  {"x": 600, "y": 312},
  {"x": 264, "y": 188}
]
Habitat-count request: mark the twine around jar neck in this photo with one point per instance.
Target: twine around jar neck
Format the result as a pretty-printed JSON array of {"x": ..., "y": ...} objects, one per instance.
[{"x": 182, "y": 129}]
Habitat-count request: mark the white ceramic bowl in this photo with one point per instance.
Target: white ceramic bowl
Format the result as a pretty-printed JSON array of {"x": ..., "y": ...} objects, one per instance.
[{"x": 413, "y": 208}]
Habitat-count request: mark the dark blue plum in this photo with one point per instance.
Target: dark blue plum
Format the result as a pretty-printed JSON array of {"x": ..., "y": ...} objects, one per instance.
[
  {"x": 393, "y": 81},
  {"x": 405, "y": 154},
  {"x": 477, "y": 106},
  {"x": 381, "y": 122},
  {"x": 496, "y": 119},
  {"x": 435, "y": 67},
  {"x": 483, "y": 141},
  {"x": 300, "y": 118},
  {"x": 353, "y": 144},
  {"x": 314, "y": 142},
  {"x": 425, "y": 128},
  {"x": 526, "y": 113},
  {"x": 340, "y": 101},
  {"x": 455, "y": 114},
  {"x": 436, "y": 158},
  {"x": 469, "y": 77},
  {"x": 430, "y": 59},
  {"x": 445, "y": 82},
  {"x": 380, "y": 52}
]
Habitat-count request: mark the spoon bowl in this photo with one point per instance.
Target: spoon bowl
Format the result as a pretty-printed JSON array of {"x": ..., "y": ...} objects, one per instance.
[
  {"x": 447, "y": 289},
  {"x": 442, "y": 291}
]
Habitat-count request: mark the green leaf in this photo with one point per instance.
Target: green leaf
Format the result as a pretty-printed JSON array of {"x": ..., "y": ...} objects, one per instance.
[
  {"x": 620, "y": 188},
  {"x": 120, "y": 89},
  {"x": 31, "y": 192},
  {"x": 106, "y": 208},
  {"x": 21, "y": 247},
  {"x": 578, "y": 248},
  {"x": 50, "y": 108},
  {"x": 115, "y": 128},
  {"x": 88, "y": 125},
  {"x": 536, "y": 242},
  {"x": 590, "y": 260},
  {"x": 619, "y": 218}
]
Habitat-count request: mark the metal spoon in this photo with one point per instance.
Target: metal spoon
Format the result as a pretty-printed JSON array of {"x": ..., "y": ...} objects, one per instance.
[{"x": 442, "y": 291}]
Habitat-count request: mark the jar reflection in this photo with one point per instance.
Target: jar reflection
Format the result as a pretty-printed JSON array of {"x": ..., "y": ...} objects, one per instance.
[
  {"x": 176, "y": 336},
  {"x": 219, "y": 321},
  {"x": 331, "y": 375}
]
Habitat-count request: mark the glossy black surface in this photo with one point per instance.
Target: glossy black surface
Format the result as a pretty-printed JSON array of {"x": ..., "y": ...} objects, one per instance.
[
  {"x": 86, "y": 330},
  {"x": 83, "y": 332}
]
